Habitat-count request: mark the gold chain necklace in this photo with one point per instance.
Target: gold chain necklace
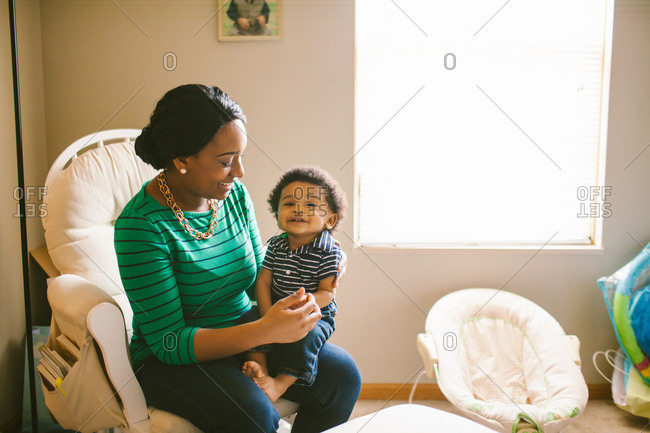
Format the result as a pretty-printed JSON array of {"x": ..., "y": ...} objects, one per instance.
[{"x": 178, "y": 213}]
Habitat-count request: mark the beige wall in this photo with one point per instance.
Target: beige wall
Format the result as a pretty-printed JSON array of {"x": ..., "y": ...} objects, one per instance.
[{"x": 299, "y": 97}]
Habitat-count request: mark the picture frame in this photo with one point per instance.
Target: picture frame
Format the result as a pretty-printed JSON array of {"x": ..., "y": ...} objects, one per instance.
[{"x": 230, "y": 30}]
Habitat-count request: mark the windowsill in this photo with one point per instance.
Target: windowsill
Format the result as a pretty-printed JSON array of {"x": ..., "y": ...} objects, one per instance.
[{"x": 486, "y": 249}]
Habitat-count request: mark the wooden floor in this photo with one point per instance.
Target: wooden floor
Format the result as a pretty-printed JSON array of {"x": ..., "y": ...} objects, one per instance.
[{"x": 599, "y": 416}]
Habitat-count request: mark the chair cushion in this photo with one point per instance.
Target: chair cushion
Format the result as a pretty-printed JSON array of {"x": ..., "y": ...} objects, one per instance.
[
  {"x": 82, "y": 204},
  {"x": 167, "y": 422},
  {"x": 503, "y": 351}
]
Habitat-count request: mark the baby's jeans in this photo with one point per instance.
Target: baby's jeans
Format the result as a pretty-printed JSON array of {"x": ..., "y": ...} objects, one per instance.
[{"x": 300, "y": 358}]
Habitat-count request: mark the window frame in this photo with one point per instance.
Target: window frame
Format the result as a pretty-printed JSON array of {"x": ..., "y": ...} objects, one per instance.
[{"x": 595, "y": 247}]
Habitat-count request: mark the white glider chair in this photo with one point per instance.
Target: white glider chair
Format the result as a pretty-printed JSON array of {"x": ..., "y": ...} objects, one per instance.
[{"x": 87, "y": 187}]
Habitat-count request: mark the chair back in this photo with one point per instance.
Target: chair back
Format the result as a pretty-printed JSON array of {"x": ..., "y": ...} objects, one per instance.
[{"x": 87, "y": 188}]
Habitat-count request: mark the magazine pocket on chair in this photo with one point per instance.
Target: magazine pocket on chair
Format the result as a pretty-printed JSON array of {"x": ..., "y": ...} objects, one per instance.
[
  {"x": 57, "y": 397},
  {"x": 83, "y": 400}
]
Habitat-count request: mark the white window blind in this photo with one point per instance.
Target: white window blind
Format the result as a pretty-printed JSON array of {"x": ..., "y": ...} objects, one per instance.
[{"x": 477, "y": 122}]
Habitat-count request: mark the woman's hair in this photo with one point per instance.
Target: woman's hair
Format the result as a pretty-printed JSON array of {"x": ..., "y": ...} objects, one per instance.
[
  {"x": 316, "y": 176},
  {"x": 183, "y": 122}
]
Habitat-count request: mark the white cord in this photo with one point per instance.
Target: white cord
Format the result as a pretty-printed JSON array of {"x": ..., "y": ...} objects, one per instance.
[
  {"x": 415, "y": 384},
  {"x": 610, "y": 357}
]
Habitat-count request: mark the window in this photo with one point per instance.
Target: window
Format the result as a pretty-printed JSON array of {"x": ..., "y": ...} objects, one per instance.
[{"x": 481, "y": 122}]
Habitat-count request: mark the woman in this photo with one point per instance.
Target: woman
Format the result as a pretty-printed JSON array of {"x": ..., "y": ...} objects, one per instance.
[{"x": 188, "y": 249}]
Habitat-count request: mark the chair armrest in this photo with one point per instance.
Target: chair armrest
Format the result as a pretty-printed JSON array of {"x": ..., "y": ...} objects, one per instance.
[
  {"x": 71, "y": 316},
  {"x": 94, "y": 311},
  {"x": 427, "y": 350},
  {"x": 106, "y": 324},
  {"x": 573, "y": 342}
]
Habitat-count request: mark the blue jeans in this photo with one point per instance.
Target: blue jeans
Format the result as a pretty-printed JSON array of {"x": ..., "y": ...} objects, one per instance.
[
  {"x": 217, "y": 397},
  {"x": 300, "y": 358}
]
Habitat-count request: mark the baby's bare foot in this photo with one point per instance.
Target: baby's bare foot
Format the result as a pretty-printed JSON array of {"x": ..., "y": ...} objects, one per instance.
[
  {"x": 274, "y": 387},
  {"x": 252, "y": 369}
]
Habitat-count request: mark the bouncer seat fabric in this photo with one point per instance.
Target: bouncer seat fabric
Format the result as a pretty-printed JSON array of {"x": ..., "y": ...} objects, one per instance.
[{"x": 505, "y": 361}]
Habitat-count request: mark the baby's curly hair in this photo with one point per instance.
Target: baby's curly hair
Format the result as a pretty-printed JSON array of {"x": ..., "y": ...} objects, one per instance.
[{"x": 314, "y": 175}]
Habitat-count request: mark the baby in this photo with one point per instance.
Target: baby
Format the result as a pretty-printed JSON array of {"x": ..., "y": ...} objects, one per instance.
[{"x": 308, "y": 205}]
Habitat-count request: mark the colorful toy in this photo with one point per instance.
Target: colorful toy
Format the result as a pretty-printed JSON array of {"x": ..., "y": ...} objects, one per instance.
[{"x": 627, "y": 296}]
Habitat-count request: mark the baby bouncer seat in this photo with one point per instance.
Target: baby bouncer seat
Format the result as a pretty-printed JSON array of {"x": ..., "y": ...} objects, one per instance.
[{"x": 504, "y": 361}]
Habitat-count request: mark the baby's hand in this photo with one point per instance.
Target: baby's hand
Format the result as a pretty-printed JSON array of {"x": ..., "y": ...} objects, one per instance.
[{"x": 300, "y": 302}]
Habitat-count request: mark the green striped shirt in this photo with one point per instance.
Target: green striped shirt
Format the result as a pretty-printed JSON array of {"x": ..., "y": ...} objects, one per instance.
[{"x": 177, "y": 284}]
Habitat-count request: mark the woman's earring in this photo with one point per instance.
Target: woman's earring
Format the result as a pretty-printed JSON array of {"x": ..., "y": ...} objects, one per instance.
[{"x": 183, "y": 171}]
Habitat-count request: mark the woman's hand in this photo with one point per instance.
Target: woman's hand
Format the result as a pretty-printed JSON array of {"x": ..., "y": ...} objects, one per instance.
[
  {"x": 286, "y": 325},
  {"x": 244, "y": 23},
  {"x": 343, "y": 264}
]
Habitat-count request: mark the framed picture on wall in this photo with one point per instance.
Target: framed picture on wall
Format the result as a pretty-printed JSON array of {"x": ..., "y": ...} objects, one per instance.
[{"x": 249, "y": 20}]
